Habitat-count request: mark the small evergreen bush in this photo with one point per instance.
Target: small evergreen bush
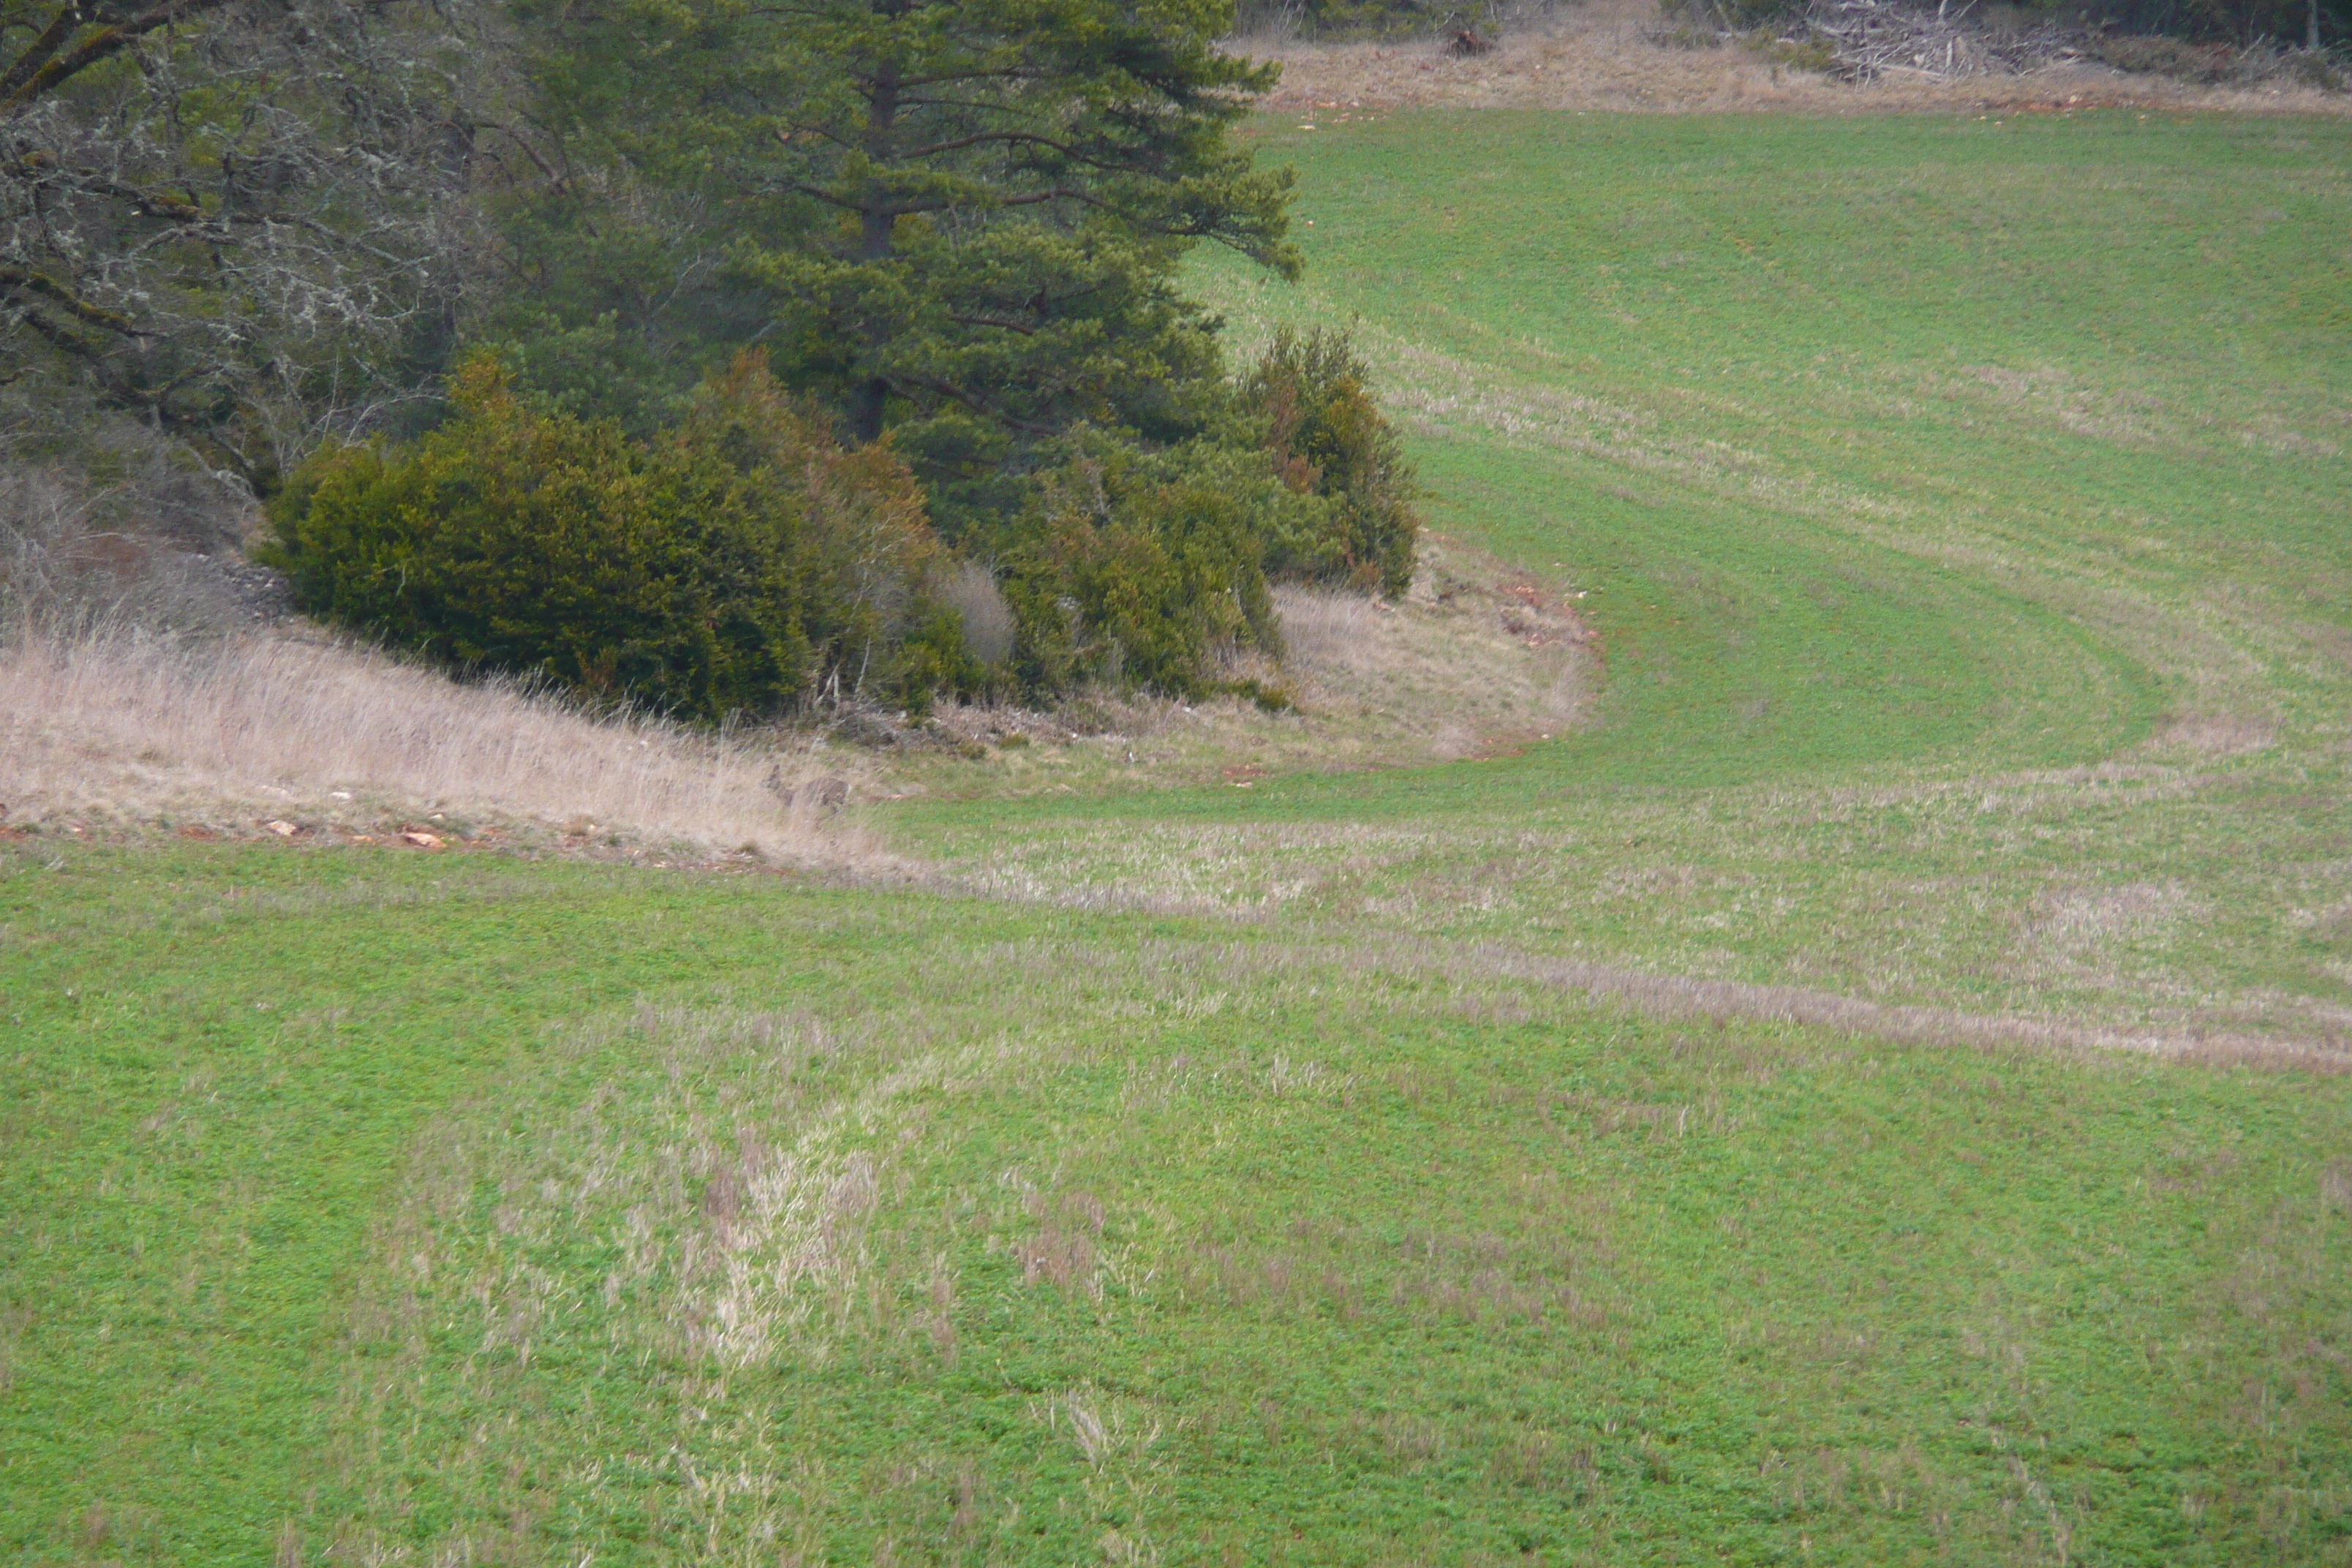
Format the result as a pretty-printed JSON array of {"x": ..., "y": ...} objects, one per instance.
[
  {"x": 1140, "y": 566},
  {"x": 1137, "y": 568},
  {"x": 1330, "y": 443},
  {"x": 743, "y": 563}
]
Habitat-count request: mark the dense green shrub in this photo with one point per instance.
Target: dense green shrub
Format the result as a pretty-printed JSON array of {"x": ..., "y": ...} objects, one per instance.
[
  {"x": 1138, "y": 568},
  {"x": 1329, "y": 442},
  {"x": 743, "y": 561}
]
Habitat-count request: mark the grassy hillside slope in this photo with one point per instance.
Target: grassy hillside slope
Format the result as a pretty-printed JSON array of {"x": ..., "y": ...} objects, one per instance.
[
  {"x": 1962, "y": 505},
  {"x": 1679, "y": 1142}
]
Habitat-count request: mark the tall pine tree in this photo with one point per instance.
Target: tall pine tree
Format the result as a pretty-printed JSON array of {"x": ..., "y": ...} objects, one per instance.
[{"x": 957, "y": 220}]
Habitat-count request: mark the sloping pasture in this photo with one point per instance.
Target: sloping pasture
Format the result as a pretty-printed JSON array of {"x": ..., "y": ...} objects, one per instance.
[{"x": 1870, "y": 1094}]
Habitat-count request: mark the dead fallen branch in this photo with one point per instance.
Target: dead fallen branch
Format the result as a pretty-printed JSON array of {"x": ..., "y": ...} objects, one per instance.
[{"x": 1879, "y": 41}]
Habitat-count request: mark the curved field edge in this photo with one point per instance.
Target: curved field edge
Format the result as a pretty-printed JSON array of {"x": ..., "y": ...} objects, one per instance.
[{"x": 1959, "y": 505}]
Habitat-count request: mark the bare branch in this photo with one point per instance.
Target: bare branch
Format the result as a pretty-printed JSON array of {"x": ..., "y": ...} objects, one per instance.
[
  {"x": 15, "y": 279},
  {"x": 106, "y": 41}
]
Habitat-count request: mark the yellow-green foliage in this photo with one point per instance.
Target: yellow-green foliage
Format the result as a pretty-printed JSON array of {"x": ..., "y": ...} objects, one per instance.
[
  {"x": 739, "y": 564},
  {"x": 1330, "y": 441},
  {"x": 1136, "y": 568}
]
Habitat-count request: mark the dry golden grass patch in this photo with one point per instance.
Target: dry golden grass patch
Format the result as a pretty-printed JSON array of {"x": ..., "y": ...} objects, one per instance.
[
  {"x": 292, "y": 734},
  {"x": 304, "y": 738},
  {"x": 1602, "y": 57},
  {"x": 1477, "y": 659}
]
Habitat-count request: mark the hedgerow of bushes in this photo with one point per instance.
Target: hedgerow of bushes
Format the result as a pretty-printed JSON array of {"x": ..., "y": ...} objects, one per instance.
[
  {"x": 736, "y": 563},
  {"x": 1376, "y": 18},
  {"x": 747, "y": 561}
]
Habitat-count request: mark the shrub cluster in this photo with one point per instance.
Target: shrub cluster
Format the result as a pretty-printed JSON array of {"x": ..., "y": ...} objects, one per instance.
[
  {"x": 1378, "y": 18},
  {"x": 1136, "y": 568},
  {"x": 746, "y": 562},
  {"x": 1139, "y": 566},
  {"x": 742, "y": 562},
  {"x": 1330, "y": 443},
  {"x": 2217, "y": 62}
]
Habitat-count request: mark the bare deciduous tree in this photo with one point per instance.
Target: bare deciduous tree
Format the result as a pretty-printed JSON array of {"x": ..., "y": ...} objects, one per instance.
[{"x": 242, "y": 221}]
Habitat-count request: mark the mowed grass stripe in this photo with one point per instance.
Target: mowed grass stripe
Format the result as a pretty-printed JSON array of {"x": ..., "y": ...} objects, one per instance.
[{"x": 1971, "y": 644}]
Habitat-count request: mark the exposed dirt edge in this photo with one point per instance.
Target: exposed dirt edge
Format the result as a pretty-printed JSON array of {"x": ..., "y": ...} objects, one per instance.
[{"x": 1478, "y": 659}]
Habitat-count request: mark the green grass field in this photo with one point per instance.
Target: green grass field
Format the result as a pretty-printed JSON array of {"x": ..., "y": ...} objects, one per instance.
[{"x": 1867, "y": 1098}]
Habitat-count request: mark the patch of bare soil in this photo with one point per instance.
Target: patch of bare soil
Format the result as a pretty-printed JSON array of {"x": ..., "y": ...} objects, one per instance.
[
  {"x": 1478, "y": 659},
  {"x": 1610, "y": 55}
]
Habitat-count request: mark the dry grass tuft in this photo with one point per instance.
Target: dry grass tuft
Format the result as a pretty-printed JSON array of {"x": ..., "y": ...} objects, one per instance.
[
  {"x": 330, "y": 742},
  {"x": 1477, "y": 657},
  {"x": 1605, "y": 55},
  {"x": 2216, "y": 734}
]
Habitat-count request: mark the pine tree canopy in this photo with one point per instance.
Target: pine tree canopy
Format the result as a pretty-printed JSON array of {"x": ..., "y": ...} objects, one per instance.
[{"x": 957, "y": 220}]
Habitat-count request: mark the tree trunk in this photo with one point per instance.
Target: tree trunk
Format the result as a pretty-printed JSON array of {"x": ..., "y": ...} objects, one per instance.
[
  {"x": 2311, "y": 37},
  {"x": 866, "y": 406},
  {"x": 881, "y": 127}
]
